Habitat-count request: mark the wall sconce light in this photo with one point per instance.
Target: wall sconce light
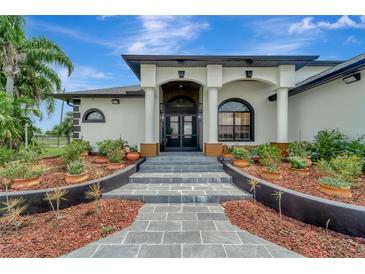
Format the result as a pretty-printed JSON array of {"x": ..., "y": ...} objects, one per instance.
[
  {"x": 352, "y": 78},
  {"x": 248, "y": 73},
  {"x": 181, "y": 73},
  {"x": 115, "y": 101}
]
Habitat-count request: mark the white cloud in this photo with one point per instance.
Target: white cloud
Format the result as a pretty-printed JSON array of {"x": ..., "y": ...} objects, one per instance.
[
  {"x": 83, "y": 78},
  {"x": 351, "y": 40},
  {"x": 162, "y": 34},
  {"x": 104, "y": 17},
  {"x": 308, "y": 24}
]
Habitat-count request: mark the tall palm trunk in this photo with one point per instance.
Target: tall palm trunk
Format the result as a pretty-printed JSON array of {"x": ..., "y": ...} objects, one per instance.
[{"x": 10, "y": 84}]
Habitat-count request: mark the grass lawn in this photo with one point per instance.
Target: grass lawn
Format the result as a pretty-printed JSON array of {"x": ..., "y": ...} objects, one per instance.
[{"x": 52, "y": 151}]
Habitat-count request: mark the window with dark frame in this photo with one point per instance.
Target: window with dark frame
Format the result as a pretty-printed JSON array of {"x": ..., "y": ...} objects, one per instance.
[
  {"x": 93, "y": 116},
  {"x": 235, "y": 121}
]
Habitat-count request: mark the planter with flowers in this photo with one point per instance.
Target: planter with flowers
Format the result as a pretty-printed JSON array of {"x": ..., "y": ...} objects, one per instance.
[
  {"x": 103, "y": 147},
  {"x": 133, "y": 154},
  {"x": 270, "y": 159},
  {"x": 241, "y": 157},
  {"x": 298, "y": 165},
  {"x": 116, "y": 157},
  {"x": 21, "y": 175},
  {"x": 227, "y": 152},
  {"x": 76, "y": 172}
]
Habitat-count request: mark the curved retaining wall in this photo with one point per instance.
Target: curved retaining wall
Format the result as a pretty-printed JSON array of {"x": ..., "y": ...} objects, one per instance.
[
  {"x": 76, "y": 192},
  {"x": 345, "y": 218}
]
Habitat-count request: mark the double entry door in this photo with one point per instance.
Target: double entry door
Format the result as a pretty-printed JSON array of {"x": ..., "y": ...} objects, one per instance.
[{"x": 181, "y": 132}]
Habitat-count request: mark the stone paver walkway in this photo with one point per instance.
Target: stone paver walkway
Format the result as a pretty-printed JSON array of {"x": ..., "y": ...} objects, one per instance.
[{"x": 182, "y": 231}]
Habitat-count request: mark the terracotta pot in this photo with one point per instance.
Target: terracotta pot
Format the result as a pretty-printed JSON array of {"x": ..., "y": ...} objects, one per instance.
[
  {"x": 101, "y": 160},
  {"x": 77, "y": 178},
  {"x": 227, "y": 156},
  {"x": 301, "y": 172},
  {"x": 133, "y": 156},
  {"x": 241, "y": 163},
  {"x": 20, "y": 183},
  {"x": 255, "y": 159},
  {"x": 115, "y": 166},
  {"x": 335, "y": 191},
  {"x": 268, "y": 175}
]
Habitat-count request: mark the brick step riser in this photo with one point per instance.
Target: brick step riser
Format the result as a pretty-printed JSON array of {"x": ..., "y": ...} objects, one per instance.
[
  {"x": 179, "y": 180},
  {"x": 191, "y": 162},
  {"x": 182, "y": 159},
  {"x": 178, "y": 198},
  {"x": 166, "y": 168}
]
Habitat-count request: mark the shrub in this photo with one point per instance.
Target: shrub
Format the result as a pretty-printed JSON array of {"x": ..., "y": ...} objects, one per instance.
[
  {"x": 73, "y": 151},
  {"x": 133, "y": 148},
  {"x": 83, "y": 145},
  {"x": 75, "y": 167},
  {"x": 103, "y": 146},
  {"x": 334, "y": 182},
  {"x": 330, "y": 143},
  {"x": 300, "y": 149},
  {"x": 16, "y": 170},
  {"x": 28, "y": 155},
  {"x": 116, "y": 155},
  {"x": 6, "y": 155},
  {"x": 297, "y": 162},
  {"x": 229, "y": 149},
  {"x": 343, "y": 167},
  {"x": 269, "y": 156},
  {"x": 240, "y": 153}
]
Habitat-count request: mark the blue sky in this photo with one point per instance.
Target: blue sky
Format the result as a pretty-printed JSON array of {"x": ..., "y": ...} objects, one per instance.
[{"x": 95, "y": 43}]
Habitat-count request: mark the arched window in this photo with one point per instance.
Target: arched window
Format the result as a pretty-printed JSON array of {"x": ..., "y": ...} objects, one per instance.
[
  {"x": 93, "y": 115},
  {"x": 235, "y": 120}
]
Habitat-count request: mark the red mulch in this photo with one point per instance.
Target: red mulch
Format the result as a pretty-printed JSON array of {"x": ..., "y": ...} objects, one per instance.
[
  {"x": 40, "y": 236},
  {"x": 309, "y": 184},
  {"x": 305, "y": 239},
  {"x": 55, "y": 173}
]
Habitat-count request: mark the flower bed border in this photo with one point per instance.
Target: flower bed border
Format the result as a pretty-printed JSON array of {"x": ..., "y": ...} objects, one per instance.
[
  {"x": 76, "y": 192},
  {"x": 344, "y": 218}
]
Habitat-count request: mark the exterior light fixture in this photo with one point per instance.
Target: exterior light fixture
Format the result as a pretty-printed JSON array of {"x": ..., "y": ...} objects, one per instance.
[
  {"x": 115, "y": 101},
  {"x": 248, "y": 73},
  {"x": 181, "y": 73},
  {"x": 352, "y": 78}
]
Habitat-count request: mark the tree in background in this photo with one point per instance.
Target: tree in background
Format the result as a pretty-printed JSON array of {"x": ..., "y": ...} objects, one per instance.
[{"x": 64, "y": 128}]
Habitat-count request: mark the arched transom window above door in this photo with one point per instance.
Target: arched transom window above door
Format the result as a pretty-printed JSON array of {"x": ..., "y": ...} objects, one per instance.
[{"x": 235, "y": 121}]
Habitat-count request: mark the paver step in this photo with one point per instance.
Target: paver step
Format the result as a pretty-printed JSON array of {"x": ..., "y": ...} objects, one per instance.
[
  {"x": 181, "y": 193},
  {"x": 180, "y": 177},
  {"x": 192, "y": 161},
  {"x": 181, "y": 168}
]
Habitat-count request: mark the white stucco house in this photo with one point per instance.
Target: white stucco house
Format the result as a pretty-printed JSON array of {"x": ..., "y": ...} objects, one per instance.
[{"x": 199, "y": 102}]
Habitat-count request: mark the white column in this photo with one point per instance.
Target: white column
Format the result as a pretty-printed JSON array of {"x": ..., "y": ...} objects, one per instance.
[
  {"x": 282, "y": 115},
  {"x": 149, "y": 102},
  {"x": 213, "y": 115}
]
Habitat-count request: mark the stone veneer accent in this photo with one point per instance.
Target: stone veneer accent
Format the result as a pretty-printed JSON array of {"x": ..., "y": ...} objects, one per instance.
[{"x": 76, "y": 128}]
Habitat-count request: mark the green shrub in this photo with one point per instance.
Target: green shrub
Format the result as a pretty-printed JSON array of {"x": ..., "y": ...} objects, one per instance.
[
  {"x": 298, "y": 162},
  {"x": 103, "y": 146},
  {"x": 269, "y": 156},
  {"x": 6, "y": 155},
  {"x": 28, "y": 155},
  {"x": 82, "y": 144},
  {"x": 334, "y": 182},
  {"x": 75, "y": 167},
  {"x": 133, "y": 148},
  {"x": 229, "y": 149},
  {"x": 299, "y": 149},
  {"x": 330, "y": 143},
  {"x": 116, "y": 155},
  {"x": 240, "y": 153},
  {"x": 74, "y": 150},
  {"x": 16, "y": 170},
  {"x": 343, "y": 167}
]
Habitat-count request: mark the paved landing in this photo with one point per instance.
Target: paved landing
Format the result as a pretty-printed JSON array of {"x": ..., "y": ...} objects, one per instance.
[
  {"x": 178, "y": 193},
  {"x": 182, "y": 231}
]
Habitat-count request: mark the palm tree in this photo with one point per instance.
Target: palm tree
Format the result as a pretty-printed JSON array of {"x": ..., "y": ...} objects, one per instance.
[{"x": 28, "y": 63}]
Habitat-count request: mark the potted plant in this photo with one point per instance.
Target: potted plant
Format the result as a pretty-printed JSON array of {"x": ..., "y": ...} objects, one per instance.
[
  {"x": 76, "y": 172},
  {"x": 298, "y": 165},
  {"x": 116, "y": 159},
  {"x": 340, "y": 173},
  {"x": 103, "y": 147},
  {"x": 133, "y": 154},
  {"x": 21, "y": 175},
  {"x": 300, "y": 149},
  {"x": 227, "y": 152},
  {"x": 241, "y": 157},
  {"x": 270, "y": 158}
]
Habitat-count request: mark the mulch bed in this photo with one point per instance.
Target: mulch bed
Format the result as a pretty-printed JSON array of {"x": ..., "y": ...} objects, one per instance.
[
  {"x": 309, "y": 184},
  {"x": 55, "y": 173},
  {"x": 305, "y": 239},
  {"x": 40, "y": 236}
]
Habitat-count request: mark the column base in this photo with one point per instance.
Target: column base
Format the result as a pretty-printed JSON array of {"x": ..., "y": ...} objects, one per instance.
[
  {"x": 150, "y": 150},
  {"x": 283, "y": 147},
  {"x": 213, "y": 149}
]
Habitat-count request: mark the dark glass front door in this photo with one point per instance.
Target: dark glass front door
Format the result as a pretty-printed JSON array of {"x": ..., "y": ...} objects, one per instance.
[{"x": 181, "y": 132}]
